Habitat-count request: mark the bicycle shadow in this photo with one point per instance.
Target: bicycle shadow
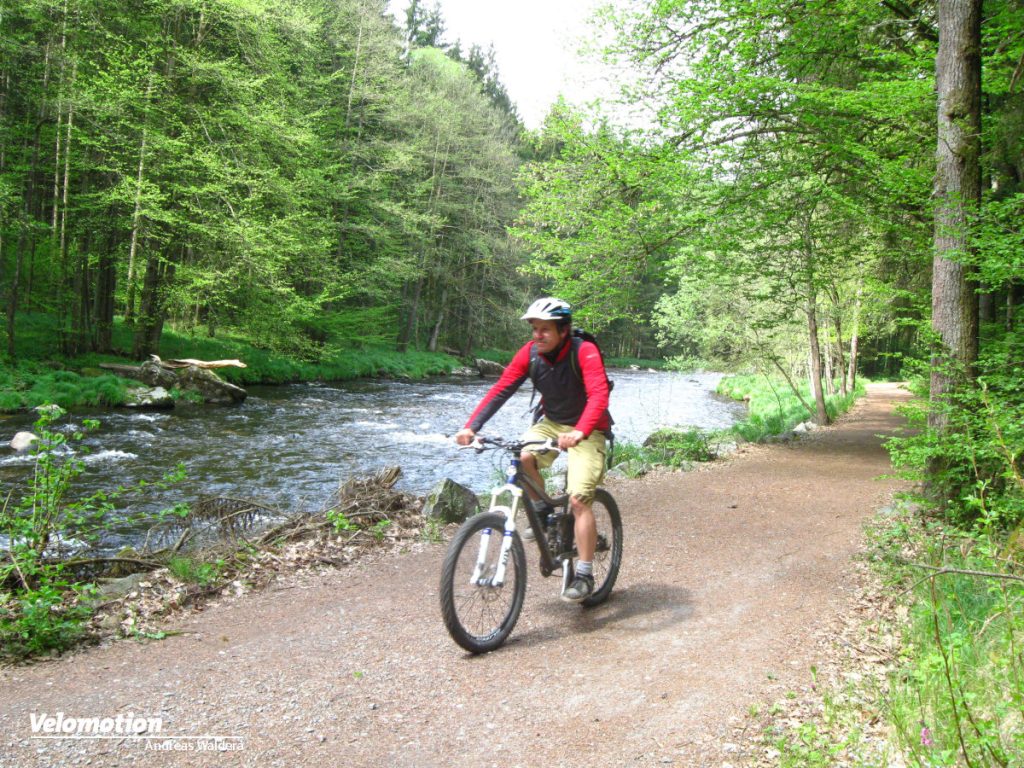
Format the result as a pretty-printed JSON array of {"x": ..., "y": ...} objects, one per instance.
[{"x": 638, "y": 609}]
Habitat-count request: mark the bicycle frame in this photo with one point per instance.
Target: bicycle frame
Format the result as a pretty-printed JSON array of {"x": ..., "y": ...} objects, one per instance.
[
  {"x": 483, "y": 579},
  {"x": 515, "y": 486}
]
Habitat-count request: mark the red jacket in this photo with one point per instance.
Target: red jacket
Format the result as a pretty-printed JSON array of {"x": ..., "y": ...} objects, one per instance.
[{"x": 562, "y": 392}]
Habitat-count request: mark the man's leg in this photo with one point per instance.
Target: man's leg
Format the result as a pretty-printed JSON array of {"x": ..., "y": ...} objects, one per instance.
[
  {"x": 528, "y": 463},
  {"x": 586, "y": 469},
  {"x": 585, "y": 529}
]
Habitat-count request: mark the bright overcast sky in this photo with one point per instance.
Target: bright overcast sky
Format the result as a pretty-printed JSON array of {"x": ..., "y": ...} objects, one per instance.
[{"x": 535, "y": 44}]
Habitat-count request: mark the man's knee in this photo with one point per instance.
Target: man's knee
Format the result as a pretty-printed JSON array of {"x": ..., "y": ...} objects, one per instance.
[
  {"x": 528, "y": 459},
  {"x": 579, "y": 504}
]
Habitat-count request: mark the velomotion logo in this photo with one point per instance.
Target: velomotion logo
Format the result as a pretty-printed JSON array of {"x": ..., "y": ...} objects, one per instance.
[
  {"x": 127, "y": 726},
  {"x": 124, "y": 724}
]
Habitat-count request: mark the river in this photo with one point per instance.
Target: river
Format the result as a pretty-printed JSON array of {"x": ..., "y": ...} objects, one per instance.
[{"x": 291, "y": 446}]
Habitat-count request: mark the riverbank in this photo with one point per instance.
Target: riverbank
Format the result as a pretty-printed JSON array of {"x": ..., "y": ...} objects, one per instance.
[
  {"x": 731, "y": 581},
  {"x": 42, "y": 374}
]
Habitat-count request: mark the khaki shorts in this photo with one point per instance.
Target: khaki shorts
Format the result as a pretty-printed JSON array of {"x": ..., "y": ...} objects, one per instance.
[{"x": 586, "y": 459}]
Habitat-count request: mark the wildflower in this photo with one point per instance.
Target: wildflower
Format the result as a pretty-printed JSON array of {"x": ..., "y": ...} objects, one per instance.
[{"x": 926, "y": 736}]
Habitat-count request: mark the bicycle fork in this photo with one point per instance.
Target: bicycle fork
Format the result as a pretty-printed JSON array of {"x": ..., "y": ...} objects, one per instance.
[{"x": 480, "y": 577}]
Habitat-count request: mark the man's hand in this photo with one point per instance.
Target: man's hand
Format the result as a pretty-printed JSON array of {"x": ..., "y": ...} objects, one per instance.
[
  {"x": 464, "y": 436},
  {"x": 570, "y": 439}
]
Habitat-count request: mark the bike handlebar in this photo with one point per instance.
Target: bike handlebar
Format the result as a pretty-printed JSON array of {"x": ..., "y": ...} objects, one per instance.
[{"x": 480, "y": 444}]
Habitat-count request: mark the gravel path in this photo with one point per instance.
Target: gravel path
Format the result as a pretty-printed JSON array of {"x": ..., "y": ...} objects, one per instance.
[{"x": 731, "y": 577}]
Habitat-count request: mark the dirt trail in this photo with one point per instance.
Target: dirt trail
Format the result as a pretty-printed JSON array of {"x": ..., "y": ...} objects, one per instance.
[{"x": 731, "y": 576}]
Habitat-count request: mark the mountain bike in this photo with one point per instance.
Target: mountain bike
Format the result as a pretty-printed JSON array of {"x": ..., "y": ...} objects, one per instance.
[{"x": 483, "y": 580}]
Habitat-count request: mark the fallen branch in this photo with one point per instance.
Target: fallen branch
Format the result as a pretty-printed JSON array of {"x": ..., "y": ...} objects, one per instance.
[
  {"x": 148, "y": 564},
  {"x": 942, "y": 570}
]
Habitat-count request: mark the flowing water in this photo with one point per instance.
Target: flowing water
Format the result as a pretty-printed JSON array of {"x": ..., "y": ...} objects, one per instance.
[{"x": 291, "y": 446}]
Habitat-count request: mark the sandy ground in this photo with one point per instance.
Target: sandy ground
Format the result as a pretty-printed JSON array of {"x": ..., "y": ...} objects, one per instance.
[{"x": 731, "y": 576}]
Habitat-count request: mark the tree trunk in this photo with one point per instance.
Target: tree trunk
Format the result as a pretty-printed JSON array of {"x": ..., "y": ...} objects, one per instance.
[
  {"x": 408, "y": 332},
  {"x": 837, "y": 322},
  {"x": 851, "y": 372},
  {"x": 830, "y": 382},
  {"x": 957, "y": 194},
  {"x": 19, "y": 255},
  {"x": 82, "y": 288},
  {"x": 12, "y": 296},
  {"x": 133, "y": 248},
  {"x": 106, "y": 283},
  {"x": 1013, "y": 296},
  {"x": 432, "y": 346},
  {"x": 150, "y": 321},
  {"x": 821, "y": 416}
]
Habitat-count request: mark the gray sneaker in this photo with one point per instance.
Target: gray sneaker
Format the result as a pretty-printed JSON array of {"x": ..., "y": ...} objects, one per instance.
[{"x": 581, "y": 588}]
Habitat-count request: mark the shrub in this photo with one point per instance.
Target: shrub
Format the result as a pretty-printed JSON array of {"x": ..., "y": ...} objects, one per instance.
[
  {"x": 43, "y": 609},
  {"x": 49, "y": 618},
  {"x": 676, "y": 447}
]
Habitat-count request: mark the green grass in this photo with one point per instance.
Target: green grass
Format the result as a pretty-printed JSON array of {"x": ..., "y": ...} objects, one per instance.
[
  {"x": 28, "y": 388},
  {"x": 42, "y": 374},
  {"x": 674, "y": 448},
  {"x": 952, "y": 693},
  {"x": 958, "y": 697},
  {"x": 195, "y": 571},
  {"x": 774, "y": 408}
]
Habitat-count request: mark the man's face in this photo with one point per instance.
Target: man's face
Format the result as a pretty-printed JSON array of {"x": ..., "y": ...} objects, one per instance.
[{"x": 547, "y": 336}]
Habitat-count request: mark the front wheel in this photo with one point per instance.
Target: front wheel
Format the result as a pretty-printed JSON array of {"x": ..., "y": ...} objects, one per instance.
[
  {"x": 608, "y": 556},
  {"x": 479, "y": 613}
]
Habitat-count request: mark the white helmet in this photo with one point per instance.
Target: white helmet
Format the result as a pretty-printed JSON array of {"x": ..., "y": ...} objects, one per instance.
[{"x": 548, "y": 308}]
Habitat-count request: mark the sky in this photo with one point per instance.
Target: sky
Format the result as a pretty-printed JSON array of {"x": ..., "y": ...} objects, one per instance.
[{"x": 535, "y": 44}]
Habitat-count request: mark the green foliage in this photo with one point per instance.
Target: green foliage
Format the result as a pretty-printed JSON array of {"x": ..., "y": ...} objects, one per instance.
[
  {"x": 44, "y": 608},
  {"x": 678, "y": 447},
  {"x": 32, "y": 383},
  {"x": 70, "y": 390},
  {"x": 196, "y": 571},
  {"x": 805, "y": 747},
  {"x": 433, "y": 529},
  {"x": 341, "y": 522},
  {"x": 673, "y": 448},
  {"x": 774, "y": 408},
  {"x": 973, "y": 465},
  {"x": 274, "y": 168},
  {"x": 601, "y": 213},
  {"x": 379, "y": 529},
  {"x": 636, "y": 362},
  {"x": 48, "y": 618},
  {"x": 956, "y": 695}
]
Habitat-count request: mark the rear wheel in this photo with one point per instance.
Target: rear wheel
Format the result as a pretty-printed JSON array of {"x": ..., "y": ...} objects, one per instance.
[
  {"x": 608, "y": 556},
  {"x": 478, "y": 613}
]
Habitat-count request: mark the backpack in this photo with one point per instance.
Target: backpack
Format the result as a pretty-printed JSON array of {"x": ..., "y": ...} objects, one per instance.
[{"x": 574, "y": 357}]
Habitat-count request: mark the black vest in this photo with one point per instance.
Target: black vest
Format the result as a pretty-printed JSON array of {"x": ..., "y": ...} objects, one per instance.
[{"x": 562, "y": 394}]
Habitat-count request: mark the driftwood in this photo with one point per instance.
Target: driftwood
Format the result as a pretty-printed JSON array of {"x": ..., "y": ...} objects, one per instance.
[
  {"x": 186, "y": 374},
  {"x": 185, "y": 362}
]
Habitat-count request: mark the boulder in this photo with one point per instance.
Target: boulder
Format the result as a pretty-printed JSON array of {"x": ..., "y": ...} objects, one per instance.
[
  {"x": 22, "y": 441},
  {"x": 112, "y": 588},
  {"x": 149, "y": 397},
  {"x": 211, "y": 386},
  {"x": 489, "y": 368},
  {"x": 154, "y": 374},
  {"x": 188, "y": 375},
  {"x": 451, "y": 502}
]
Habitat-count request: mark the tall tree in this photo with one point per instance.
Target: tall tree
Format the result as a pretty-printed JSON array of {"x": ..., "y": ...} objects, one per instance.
[{"x": 958, "y": 194}]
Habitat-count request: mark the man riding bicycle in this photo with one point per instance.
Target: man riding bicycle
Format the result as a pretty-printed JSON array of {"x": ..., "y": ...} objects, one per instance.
[{"x": 570, "y": 376}]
